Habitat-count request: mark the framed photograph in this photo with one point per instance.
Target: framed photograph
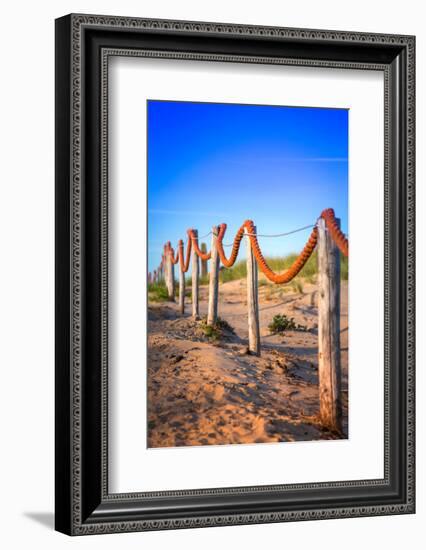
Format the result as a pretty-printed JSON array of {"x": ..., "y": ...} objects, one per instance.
[{"x": 234, "y": 274}]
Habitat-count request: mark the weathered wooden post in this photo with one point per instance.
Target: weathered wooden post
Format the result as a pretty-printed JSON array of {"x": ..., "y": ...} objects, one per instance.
[
  {"x": 329, "y": 368},
  {"x": 155, "y": 276},
  {"x": 181, "y": 281},
  {"x": 214, "y": 280},
  {"x": 160, "y": 271},
  {"x": 195, "y": 279},
  {"x": 204, "y": 262},
  {"x": 170, "y": 274},
  {"x": 252, "y": 298}
]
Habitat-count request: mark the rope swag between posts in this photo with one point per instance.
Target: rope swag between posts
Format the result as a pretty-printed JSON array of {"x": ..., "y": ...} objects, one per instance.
[
  {"x": 327, "y": 215},
  {"x": 330, "y": 241}
]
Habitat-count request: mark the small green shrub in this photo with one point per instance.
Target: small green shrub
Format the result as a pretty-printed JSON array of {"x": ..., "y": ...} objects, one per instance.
[
  {"x": 280, "y": 323},
  {"x": 215, "y": 332},
  {"x": 210, "y": 331}
]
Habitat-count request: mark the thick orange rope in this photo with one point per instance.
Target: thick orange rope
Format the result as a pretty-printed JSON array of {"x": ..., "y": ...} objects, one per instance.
[
  {"x": 185, "y": 264},
  {"x": 203, "y": 255},
  {"x": 229, "y": 262},
  {"x": 179, "y": 257},
  {"x": 293, "y": 270},
  {"x": 174, "y": 259},
  {"x": 338, "y": 237},
  {"x": 278, "y": 278}
]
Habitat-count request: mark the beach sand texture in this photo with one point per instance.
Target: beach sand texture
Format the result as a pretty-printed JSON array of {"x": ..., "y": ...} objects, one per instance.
[{"x": 213, "y": 393}]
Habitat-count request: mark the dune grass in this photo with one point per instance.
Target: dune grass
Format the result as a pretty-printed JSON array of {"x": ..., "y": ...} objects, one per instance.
[
  {"x": 202, "y": 281},
  {"x": 157, "y": 292}
]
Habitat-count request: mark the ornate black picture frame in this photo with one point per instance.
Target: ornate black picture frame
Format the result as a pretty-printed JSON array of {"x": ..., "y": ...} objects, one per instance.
[{"x": 83, "y": 45}]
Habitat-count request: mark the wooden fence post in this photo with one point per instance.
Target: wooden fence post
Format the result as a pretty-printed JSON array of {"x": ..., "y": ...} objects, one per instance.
[
  {"x": 252, "y": 299},
  {"x": 214, "y": 280},
  {"x": 181, "y": 285},
  {"x": 195, "y": 279},
  {"x": 203, "y": 262},
  {"x": 160, "y": 272},
  {"x": 329, "y": 368},
  {"x": 170, "y": 276}
]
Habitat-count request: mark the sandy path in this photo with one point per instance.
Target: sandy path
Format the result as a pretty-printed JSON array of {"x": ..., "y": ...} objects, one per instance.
[{"x": 201, "y": 392}]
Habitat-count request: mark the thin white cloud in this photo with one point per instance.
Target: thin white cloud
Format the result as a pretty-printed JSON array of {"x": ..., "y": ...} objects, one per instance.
[
  {"x": 319, "y": 159},
  {"x": 282, "y": 160}
]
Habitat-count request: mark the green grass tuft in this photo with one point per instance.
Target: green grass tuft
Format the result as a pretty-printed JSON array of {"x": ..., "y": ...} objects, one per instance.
[
  {"x": 157, "y": 292},
  {"x": 280, "y": 323},
  {"x": 216, "y": 331}
]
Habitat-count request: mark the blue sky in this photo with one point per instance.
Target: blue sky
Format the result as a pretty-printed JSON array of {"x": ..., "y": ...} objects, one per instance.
[{"x": 210, "y": 163}]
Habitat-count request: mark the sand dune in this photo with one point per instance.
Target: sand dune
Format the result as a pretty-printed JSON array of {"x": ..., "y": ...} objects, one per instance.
[{"x": 214, "y": 393}]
